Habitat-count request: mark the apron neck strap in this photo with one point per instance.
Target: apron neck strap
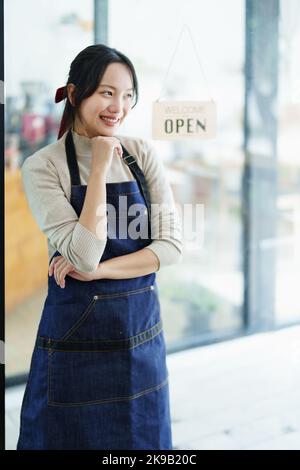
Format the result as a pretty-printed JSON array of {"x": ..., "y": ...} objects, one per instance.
[{"x": 72, "y": 159}]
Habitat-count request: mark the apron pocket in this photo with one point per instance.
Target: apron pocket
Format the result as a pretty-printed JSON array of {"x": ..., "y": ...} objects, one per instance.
[
  {"x": 99, "y": 372},
  {"x": 117, "y": 315},
  {"x": 100, "y": 317},
  {"x": 59, "y": 320}
]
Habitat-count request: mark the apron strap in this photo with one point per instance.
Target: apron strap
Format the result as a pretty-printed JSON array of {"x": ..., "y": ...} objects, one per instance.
[
  {"x": 72, "y": 160},
  {"x": 140, "y": 178}
]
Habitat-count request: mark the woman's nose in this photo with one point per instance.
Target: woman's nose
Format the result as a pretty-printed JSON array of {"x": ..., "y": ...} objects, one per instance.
[{"x": 116, "y": 104}]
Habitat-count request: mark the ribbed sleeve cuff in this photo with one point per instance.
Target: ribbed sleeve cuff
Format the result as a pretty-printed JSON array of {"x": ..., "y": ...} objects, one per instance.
[
  {"x": 88, "y": 248},
  {"x": 166, "y": 252}
]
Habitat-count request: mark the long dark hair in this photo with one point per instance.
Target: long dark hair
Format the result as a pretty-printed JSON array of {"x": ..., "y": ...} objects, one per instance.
[{"x": 85, "y": 73}]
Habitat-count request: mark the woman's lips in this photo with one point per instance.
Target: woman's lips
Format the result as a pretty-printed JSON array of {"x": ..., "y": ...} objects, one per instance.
[{"x": 109, "y": 122}]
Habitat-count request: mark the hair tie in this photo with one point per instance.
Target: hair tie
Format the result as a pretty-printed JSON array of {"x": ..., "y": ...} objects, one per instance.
[{"x": 60, "y": 94}]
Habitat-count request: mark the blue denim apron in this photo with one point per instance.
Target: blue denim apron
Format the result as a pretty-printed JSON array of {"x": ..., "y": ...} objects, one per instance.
[{"x": 98, "y": 377}]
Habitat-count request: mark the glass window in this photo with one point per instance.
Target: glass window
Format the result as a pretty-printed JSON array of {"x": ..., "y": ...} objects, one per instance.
[
  {"x": 41, "y": 39},
  {"x": 287, "y": 243},
  {"x": 204, "y": 294}
]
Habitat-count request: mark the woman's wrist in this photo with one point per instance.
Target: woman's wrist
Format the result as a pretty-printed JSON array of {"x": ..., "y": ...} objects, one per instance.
[
  {"x": 99, "y": 273},
  {"x": 100, "y": 171}
]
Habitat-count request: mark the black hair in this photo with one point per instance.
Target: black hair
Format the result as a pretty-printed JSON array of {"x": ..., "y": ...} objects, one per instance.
[{"x": 86, "y": 72}]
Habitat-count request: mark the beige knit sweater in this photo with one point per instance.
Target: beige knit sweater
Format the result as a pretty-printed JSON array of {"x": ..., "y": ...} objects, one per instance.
[{"x": 46, "y": 182}]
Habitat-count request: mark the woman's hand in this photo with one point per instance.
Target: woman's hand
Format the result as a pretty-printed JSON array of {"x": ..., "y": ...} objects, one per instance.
[
  {"x": 60, "y": 267},
  {"x": 102, "y": 152},
  {"x": 97, "y": 274},
  {"x": 82, "y": 276}
]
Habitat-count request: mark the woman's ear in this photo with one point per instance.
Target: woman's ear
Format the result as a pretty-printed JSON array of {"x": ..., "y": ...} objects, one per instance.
[{"x": 70, "y": 91}]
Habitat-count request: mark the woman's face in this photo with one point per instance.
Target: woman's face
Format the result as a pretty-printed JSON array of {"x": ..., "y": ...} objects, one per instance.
[{"x": 112, "y": 99}]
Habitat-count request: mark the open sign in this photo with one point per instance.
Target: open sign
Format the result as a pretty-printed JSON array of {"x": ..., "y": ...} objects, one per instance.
[{"x": 183, "y": 120}]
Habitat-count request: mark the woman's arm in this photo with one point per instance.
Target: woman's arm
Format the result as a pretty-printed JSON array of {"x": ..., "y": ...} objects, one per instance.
[
  {"x": 80, "y": 241},
  {"x": 135, "y": 264},
  {"x": 93, "y": 214},
  {"x": 54, "y": 214}
]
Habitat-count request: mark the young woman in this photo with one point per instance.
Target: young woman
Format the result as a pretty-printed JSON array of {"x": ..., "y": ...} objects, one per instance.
[{"x": 98, "y": 377}]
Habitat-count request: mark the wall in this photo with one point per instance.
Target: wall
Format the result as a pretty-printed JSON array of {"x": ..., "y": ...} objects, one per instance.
[{"x": 26, "y": 254}]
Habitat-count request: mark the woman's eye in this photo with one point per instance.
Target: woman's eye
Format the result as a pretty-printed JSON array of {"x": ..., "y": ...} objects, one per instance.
[{"x": 130, "y": 95}]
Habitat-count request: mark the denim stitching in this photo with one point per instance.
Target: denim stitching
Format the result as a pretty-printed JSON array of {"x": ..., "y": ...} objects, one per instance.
[
  {"x": 123, "y": 294},
  {"x": 88, "y": 309},
  {"x": 111, "y": 400},
  {"x": 97, "y": 401},
  {"x": 83, "y": 317},
  {"x": 25, "y": 397},
  {"x": 138, "y": 343},
  {"x": 50, "y": 340}
]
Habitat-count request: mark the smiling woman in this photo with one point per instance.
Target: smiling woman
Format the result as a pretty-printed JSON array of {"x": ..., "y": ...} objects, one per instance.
[{"x": 93, "y": 381}]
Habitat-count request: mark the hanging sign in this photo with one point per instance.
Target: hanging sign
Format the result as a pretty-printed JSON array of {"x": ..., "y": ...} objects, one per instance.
[
  {"x": 183, "y": 120},
  {"x": 176, "y": 119}
]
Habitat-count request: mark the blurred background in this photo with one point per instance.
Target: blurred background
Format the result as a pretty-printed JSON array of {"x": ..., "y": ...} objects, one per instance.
[{"x": 242, "y": 283}]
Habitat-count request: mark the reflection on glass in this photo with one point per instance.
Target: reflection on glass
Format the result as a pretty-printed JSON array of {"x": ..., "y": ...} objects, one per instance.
[
  {"x": 38, "y": 50},
  {"x": 204, "y": 294},
  {"x": 287, "y": 243}
]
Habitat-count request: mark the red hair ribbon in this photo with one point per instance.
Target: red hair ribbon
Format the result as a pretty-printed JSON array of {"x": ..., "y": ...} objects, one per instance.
[{"x": 60, "y": 94}]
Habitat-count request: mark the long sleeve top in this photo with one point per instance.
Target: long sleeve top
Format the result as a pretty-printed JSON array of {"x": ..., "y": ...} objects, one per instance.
[{"x": 47, "y": 186}]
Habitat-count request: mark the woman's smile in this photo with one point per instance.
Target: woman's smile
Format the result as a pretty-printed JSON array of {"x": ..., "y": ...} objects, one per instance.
[{"x": 110, "y": 122}]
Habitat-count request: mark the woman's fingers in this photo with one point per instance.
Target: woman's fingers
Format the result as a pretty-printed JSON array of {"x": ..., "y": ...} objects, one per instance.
[
  {"x": 64, "y": 271},
  {"x": 57, "y": 268},
  {"x": 120, "y": 150},
  {"x": 60, "y": 267},
  {"x": 51, "y": 266}
]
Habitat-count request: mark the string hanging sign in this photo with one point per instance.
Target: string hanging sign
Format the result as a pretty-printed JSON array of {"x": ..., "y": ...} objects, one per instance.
[{"x": 175, "y": 119}]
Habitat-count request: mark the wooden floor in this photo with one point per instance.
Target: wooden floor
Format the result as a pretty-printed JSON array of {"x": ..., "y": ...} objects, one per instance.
[{"x": 241, "y": 394}]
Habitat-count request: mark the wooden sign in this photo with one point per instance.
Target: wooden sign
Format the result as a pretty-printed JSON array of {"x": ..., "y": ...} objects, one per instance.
[{"x": 173, "y": 120}]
